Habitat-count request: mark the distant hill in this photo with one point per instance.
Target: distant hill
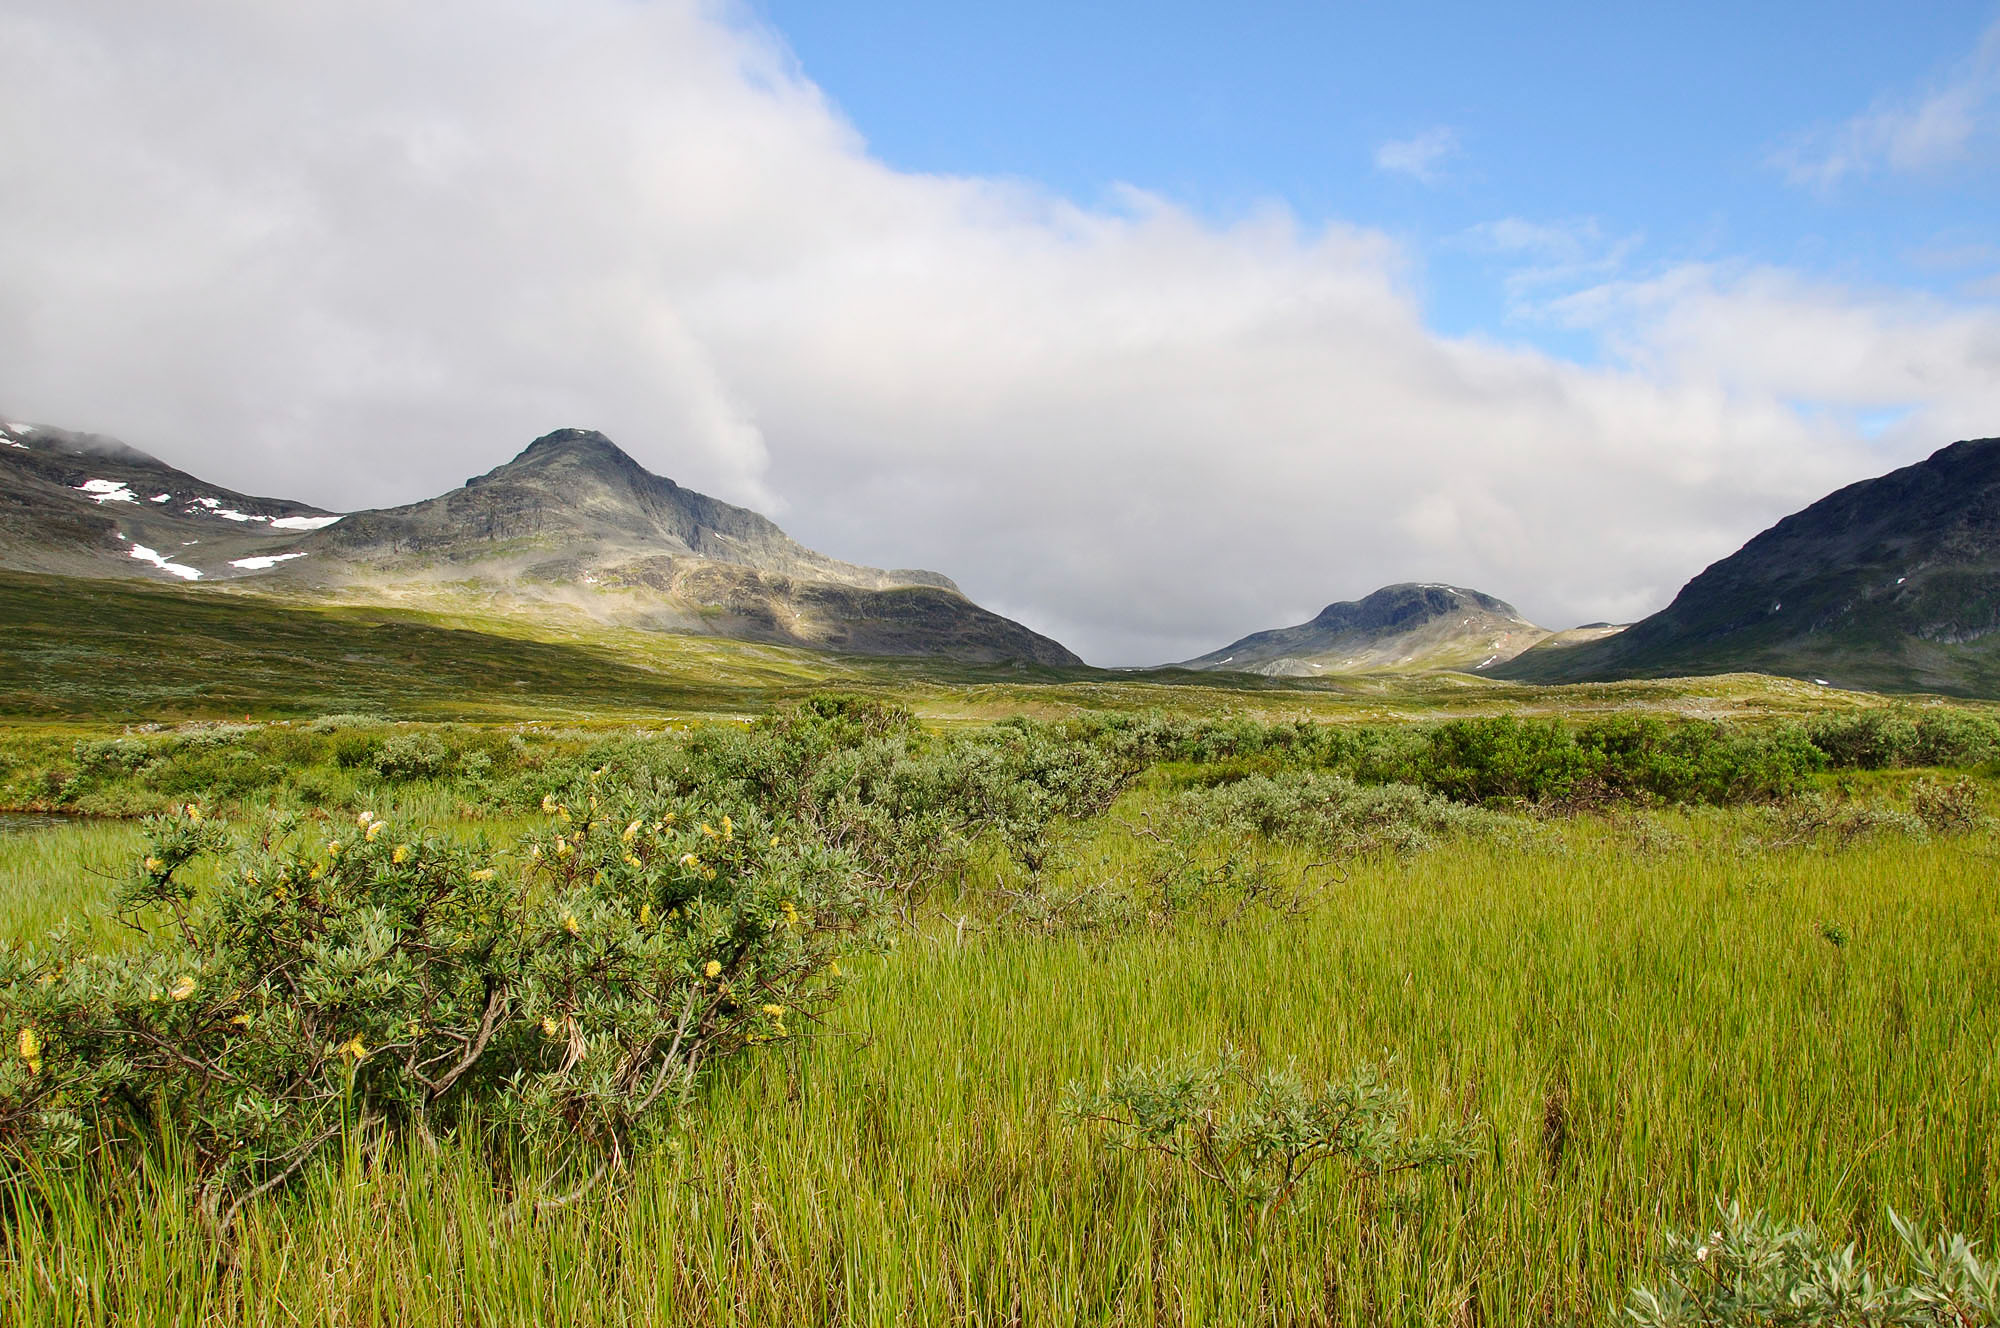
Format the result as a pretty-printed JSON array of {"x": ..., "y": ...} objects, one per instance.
[
  {"x": 1413, "y": 625},
  {"x": 1892, "y": 583},
  {"x": 572, "y": 522}
]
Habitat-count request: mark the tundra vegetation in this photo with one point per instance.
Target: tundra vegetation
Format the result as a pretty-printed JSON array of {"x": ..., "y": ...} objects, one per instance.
[{"x": 1119, "y": 1016}]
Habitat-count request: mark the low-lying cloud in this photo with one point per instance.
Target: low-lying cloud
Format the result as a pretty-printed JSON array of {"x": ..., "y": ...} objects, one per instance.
[{"x": 354, "y": 252}]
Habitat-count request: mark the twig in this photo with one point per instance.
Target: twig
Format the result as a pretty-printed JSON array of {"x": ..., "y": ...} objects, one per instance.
[
  {"x": 494, "y": 999},
  {"x": 229, "y": 1217}
]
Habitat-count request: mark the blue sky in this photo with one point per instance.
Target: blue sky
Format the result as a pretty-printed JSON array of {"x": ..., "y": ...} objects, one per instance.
[{"x": 1638, "y": 135}]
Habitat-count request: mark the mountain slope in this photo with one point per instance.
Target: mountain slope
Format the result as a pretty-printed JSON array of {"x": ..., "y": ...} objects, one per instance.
[
  {"x": 83, "y": 505},
  {"x": 1406, "y": 626},
  {"x": 1890, "y": 583},
  {"x": 571, "y": 525}
]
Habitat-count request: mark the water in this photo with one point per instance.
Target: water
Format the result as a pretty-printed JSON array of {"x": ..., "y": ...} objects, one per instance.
[{"x": 21, "y": 823}]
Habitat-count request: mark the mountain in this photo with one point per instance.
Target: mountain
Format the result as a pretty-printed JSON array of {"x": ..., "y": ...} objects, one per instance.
[
  {"x": 81, "y": 504},
  {"x": 572, "y": 524},
  {"x": 1407, "y": 626},
  {"x": 574, "y": 504},
  {"x": 1891, "y": 583}
]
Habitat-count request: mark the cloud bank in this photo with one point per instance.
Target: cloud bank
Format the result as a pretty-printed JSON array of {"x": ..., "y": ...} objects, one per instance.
[{"x": 354, "y": 252}]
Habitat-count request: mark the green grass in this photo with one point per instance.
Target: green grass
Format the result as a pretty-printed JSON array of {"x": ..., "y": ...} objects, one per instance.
[
  {"x": 1677, "y": 1017},
  {"x": 63, "y": 873}
]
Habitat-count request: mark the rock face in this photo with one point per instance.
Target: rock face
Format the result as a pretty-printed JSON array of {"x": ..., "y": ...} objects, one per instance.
[
  {"x": 1413, "y": 625},
  {"x": 1890, "y": 583},
  {"x": 572, "y": 522}
]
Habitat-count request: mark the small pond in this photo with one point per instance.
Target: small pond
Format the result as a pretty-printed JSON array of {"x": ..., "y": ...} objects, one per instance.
[{"x": 21, "y": 823}]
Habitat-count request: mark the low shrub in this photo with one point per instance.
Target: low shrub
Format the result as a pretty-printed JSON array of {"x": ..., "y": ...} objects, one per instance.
[
  {"x": 1834, "y": 820},
  {"x": 411, "y": 756},
  {"x": 1329, "y": 813},
  {"x": 572, "y": 991},
  {"x": 1258, "y": 1136},
  {"x": 1753, "y": 1272},
  {"x": 1947, "y": 807},
  {"x": 1884, "y": 739},
  {"x": 1186, "y": 874}
]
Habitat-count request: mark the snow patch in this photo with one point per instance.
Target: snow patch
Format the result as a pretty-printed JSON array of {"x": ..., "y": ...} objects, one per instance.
[
  {"x": 214, "y": 507},
  {"x": 159, "y": 560},
  {"x": 1484, "y": 662},
  {"x": 107, "y": 491},
  {"x": 161, "y": 498},
  {"x": 263, "y": 561}
]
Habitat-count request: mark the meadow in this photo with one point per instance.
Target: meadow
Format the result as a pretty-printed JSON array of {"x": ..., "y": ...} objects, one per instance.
[{"x": 1629, "y": 1006}]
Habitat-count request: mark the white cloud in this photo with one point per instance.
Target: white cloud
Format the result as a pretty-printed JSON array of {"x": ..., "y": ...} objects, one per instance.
[
  {"x": 1421, "y": 157},
  {"x": 1912, "y": 133},
  {"x": 1550, "y": 254},
  {"x": 353, "y": 252},
  {"x": 1760, "y": 332}
]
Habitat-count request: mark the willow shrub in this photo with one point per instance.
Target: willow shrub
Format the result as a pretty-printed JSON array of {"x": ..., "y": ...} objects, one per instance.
[
  {"x": 1752, "y": 1271},
  {"x": 571, "y": 991}
]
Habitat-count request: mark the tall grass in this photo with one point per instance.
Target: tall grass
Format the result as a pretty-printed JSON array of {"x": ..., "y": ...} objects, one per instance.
[{"x": 1638, "y": 1036}]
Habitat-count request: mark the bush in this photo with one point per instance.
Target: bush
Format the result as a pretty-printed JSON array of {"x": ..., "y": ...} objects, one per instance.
[
  {"x": 572, "y": 993},
  {"x": 338, "y": 723},
  {"x": 1838, "y": 821},
  {"x": 1328, "y": 813},
  {"x": 1868, "y": 740},
  {"x": 1947, "y": 808},
  {"x": 412, "y": 756},
  {"x": 1623, "y": 758},
  {"x": 863, "y": 774},
  {"x": 1505, "y": 759},
  {"x": 1884, "y": 739},
  {"x": 1184, "y": 874},
  {"x": 1752, "y": 1272},
  {"x": 1258, "y": 1136}
]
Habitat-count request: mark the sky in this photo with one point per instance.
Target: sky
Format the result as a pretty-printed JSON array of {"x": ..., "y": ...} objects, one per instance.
[{"x": 1151, "y": 324}]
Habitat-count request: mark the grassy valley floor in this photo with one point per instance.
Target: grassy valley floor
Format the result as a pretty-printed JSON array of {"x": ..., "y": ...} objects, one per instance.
[{"x": 1638, "y": 1019}]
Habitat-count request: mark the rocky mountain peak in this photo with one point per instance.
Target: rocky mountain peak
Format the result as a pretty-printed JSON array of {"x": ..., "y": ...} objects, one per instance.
[
  {"x": 1409, "y": 604},
  {"x": 566, "y": 456},
  {"x": 1409, "y": 625}
]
